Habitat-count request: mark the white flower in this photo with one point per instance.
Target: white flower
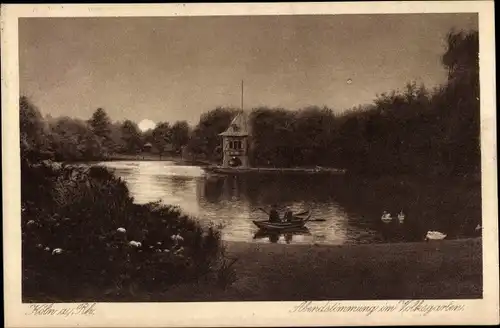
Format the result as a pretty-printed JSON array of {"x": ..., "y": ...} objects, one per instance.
[
  {"x": 30, "y": 222},
  {"x": 47, "y": 249},
  {"x": 134, "y": 243},
  {"x": 122, "y": 230},
  {"x": 151, "y": 247},
  {"x": 386, "y": 217},
  {"x": 158, "y": 250},
  {"x": 57, "y": 251},
  {"x": 40, "y": 246},
  {"x": 158, "y": 243},
  {"x": 176, "y": 238},
  {"x": 166, "y": 251},
  {"x": 180, "y": 250}
]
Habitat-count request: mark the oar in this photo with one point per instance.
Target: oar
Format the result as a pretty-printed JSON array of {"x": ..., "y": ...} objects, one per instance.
[
  {"x": 315, "y": 220},
  {"x": 302, "y": 213},
  {"x": 263, "y": 210},
  {"x": 310, "y": 220}
]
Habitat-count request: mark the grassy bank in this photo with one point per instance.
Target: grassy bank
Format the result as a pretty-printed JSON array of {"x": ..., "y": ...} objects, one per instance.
[{"x": 270, "y": 272}]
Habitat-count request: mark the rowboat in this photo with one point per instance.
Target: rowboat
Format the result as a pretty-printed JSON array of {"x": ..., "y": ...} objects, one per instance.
[{"x": 296, "y": 223}]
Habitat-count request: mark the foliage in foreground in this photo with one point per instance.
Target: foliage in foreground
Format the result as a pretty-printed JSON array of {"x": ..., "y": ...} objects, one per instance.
[{"x": 81, "y": 229}]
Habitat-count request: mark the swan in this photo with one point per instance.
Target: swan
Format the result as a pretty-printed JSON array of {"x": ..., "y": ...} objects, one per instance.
[
  {"x": 386, "y": 217},
  {"x": 136, "y": 244},
  {"x": 401, "y": 216},
  {"x": 435, "y": 235}
]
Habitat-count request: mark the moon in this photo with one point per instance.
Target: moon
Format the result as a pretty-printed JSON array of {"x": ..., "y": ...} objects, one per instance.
[{"x": 146, "y": 124}]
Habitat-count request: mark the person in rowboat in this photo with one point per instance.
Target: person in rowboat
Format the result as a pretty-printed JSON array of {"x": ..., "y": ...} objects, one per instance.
[
  {"x": 274, "y": 216},
  {"x": 288, "y": 216}
]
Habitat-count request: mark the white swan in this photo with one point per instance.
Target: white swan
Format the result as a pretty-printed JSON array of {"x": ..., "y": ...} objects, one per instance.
[
  {"x": 136, "y": 244},
  {"x": 386, "y": 217},
  {"x": 435, "y": 235}
]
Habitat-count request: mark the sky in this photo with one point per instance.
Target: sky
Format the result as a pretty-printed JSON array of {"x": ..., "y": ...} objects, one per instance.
[{"x": 176, "y": 68}]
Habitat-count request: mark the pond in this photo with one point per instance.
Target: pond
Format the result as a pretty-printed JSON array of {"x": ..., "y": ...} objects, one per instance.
[{"x": 345, "y": 210}]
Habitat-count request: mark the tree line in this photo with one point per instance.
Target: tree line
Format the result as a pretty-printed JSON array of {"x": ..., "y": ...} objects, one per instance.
[
  {"x": 98, "y": 138},
  {"x": 410, "y": 131}
]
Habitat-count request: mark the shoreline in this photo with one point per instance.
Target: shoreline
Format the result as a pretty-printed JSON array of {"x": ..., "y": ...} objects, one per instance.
[
  {"x": 446, "y": 269},
  {"x": 208, "y": 167},
  {"x": 241, "y": 244},
  {"x": 273, "y": 170},
  {"x": 155, "y": 158},
  {"x": 275, "y": 272}
]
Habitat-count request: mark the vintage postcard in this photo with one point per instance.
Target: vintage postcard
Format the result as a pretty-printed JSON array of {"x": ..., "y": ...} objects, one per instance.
[{"x": 291, "y": 164}]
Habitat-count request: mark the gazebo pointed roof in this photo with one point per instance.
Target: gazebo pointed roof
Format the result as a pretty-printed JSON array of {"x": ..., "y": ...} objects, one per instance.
[{"x": 238, "y": 127}]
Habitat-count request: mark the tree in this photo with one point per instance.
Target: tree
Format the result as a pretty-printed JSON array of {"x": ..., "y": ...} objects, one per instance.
[
  {"x": 100, "y": 125},
  {"x": 460, "y": 101},
  {"x": 34, "y": 132},
  {"x": 205, "y": 137},
  {"x": 461, "y": 56},
  {"x": 74, "y": 141},
  {"x": 180, "y": 134},
  {"x": 162, "y": 136},
  {"x": 131, "y": 137},
  {"x": 274, "y": 140},
  {"x": 116, "y": 137}
]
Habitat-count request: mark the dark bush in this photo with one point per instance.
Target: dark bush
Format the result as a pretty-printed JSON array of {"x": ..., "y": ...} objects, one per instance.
[{"x": 81, "y": 228}]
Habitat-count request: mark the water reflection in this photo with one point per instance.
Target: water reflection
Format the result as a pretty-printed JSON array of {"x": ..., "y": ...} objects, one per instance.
[
  {"x": 298, "y": 235},
  {"x": 343, "y": 211}
]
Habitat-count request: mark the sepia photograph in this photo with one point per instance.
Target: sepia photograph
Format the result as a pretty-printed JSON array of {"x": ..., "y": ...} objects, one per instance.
[{"x": 252, "y": 158}]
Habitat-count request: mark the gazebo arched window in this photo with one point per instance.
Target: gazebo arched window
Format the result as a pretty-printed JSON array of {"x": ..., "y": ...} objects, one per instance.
[{"x": 235, "y": 144}]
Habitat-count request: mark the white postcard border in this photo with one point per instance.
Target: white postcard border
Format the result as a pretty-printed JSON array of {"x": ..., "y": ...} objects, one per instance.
[{"x": 242, "y": 313}]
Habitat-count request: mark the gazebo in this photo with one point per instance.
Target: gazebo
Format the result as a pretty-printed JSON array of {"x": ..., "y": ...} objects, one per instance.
[
  {"x": 235, "y": 142},
  {"x": 147, "y": 147}
]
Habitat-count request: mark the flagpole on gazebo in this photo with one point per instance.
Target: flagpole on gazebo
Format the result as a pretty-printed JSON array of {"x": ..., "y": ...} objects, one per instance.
[{"x": 241, "y": 94}]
